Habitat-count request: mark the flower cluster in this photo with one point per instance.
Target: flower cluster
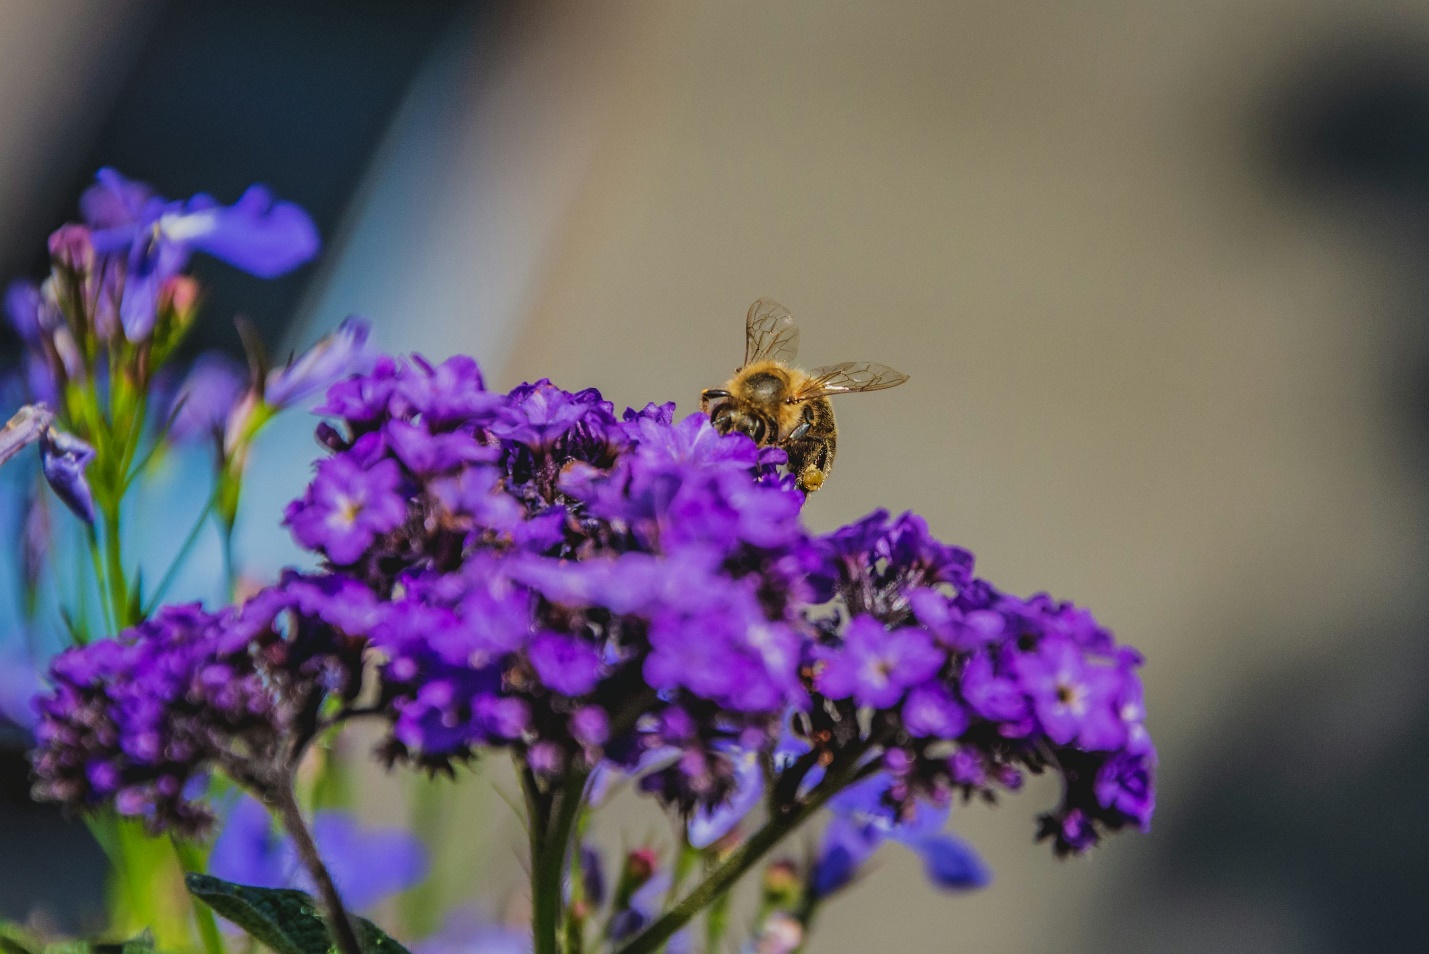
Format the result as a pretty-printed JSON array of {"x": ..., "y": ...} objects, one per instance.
[
  {"x": 610, "y": 595},
  {"x": 560, "y": 580},
  {"x": 530, "y": 571},
  {"x": 137, "y": 721},
  {"x": 936, "y": 656}
]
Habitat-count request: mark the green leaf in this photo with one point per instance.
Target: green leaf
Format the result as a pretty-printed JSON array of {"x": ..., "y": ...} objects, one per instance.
[
  {"x": 16, "y": 940},
  {"x": 285, "y": 920},
  {"x": 376, "y": 941}
]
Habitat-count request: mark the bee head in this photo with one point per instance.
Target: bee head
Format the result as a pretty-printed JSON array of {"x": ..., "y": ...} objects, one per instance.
[{"x": 727, "y": 419}]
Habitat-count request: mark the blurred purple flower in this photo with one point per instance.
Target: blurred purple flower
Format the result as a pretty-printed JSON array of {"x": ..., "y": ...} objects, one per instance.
[
  {"x": 155, "y": 238},
  {"x": 468, "y": 932},
  {"x": 709, "y": 824},
  {"x": 206, "y": 398},
  {"x": 367, "y": 865},
  {"x": 334, "y": 356},
  {"x": 863, "y": 820}
]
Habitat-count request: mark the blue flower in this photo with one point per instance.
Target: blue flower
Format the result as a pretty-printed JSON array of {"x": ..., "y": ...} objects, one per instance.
[
  {"x": 468, "y": 932},
  {"x": 863, "y": 821},
  {"x": 249, "y": 851},
  {"x": 155, "y": 238}
]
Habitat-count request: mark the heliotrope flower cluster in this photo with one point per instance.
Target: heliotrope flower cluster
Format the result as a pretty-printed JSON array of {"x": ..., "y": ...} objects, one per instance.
[
  {"x": 558, "y": 580},
  {"x": 603, "y": 595},
  {"x": 137, "y": 721}
]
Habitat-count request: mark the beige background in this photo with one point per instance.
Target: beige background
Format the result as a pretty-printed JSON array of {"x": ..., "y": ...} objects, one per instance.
[{"x": 1145, "y": 374}]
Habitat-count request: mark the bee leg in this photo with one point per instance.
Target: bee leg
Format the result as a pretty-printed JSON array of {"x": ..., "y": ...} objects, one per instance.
[
  {"x": 812, "y": 465},
  {"x": 709, "y": 394}
]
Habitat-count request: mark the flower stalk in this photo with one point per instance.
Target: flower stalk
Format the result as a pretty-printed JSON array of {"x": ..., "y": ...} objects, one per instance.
[{"x": 335, "y": 916}]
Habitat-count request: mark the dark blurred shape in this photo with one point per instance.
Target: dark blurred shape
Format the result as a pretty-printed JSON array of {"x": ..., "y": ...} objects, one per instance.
[
  {"x": 1307, "y": 830},
  {"x": 293, "y": 94},
  {"x": 1359, "y": 120}
]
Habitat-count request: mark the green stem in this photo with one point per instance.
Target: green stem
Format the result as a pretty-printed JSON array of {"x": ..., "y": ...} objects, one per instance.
[
  {"x": 741, "y": 859},
  {"x": 550, "y": 842},
  {"x": 230, "y": 567},
  {"x": 716, "y": 922},
  {"x": 114, "y": 564},
  {"x": 191, "y": 860},
  {"x": 100, "y": 581},
  {"x": 179, "y": 558}
]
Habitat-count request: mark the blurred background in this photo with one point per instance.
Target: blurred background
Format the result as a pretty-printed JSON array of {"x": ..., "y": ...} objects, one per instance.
[{"x": 1158, "y": 272}]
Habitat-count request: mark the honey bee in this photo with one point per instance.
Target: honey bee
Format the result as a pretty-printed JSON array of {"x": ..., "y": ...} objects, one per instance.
[{"x": 777, "y": 404}]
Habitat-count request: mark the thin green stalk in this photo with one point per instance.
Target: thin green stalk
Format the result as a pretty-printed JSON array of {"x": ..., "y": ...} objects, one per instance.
[
  {"x": 335, "y": 916},
  {"x": 230, "y": 567},
  {"x": 716, "y": 922},
  {"x": 179, "y": 558},
  {"x": 114, "y": 565},
  {"x": 741, "y": 859},
  {"x": 191, "y": 860},
  {"x": 101, "y": 581}
]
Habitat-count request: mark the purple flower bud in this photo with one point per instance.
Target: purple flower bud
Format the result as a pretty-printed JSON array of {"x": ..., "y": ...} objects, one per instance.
[
  {"x": 71, "y": 247},
  {"x": 22, "y": 308},
  {"x": 590, "y": 726},
  {"x": 63, "y": 458}
]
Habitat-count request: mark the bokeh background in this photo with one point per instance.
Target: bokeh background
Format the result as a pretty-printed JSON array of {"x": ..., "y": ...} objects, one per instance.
[{"x": 1159, "y": 272}]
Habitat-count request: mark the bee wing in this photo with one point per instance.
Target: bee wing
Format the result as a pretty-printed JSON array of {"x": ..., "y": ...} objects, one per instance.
[
  {"x": 848, "y": 377},
  {"x": 770, "y": 333}
]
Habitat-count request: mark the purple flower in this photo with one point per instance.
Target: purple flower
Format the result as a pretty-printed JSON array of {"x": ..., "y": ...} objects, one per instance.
[
  {"x": 23, "y": 307},
  {"x": 467, "y": 932},
  {"x": 711, "y": 823},
  {"x": 1070, "y": 698},
  {"x": 334, "y": 356},
  {"x": 443, "y": 395},
  {"x": 538, "y": 415},
  {"x": 1124, "y": 785},
  {"x": 257, "y": 234},
  {"x": 876, "y": 666},
  {"x": 863, "y": 820},
  {"x": 202, "y": 406},
  {"x": 931, "y": 711},
  {"x": 154, "y": 238},
  {"x": 346, "y": 507},
  {"x": 991, "y": 695},
  {"x": 63, "y": 458},
  {"x": 564, "y": 663},
  {"x": 134, "y": 722},
  {"x": 249, "y": 851}
]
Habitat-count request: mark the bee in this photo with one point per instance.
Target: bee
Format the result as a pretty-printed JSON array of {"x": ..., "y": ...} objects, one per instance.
[{"x": 777, "y": 404}]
